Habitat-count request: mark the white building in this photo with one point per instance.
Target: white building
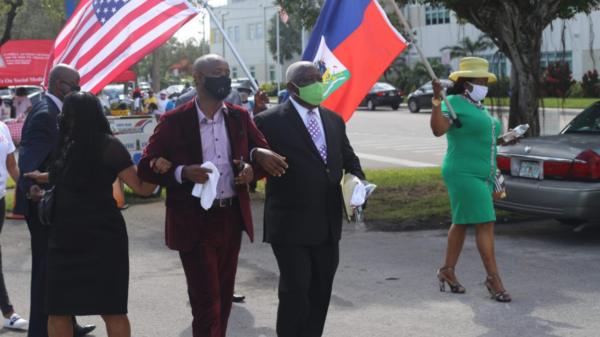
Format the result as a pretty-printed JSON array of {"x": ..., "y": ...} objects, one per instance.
[
  {"x": 437, "y": 28},
  {"x": 246, "y": 22}
]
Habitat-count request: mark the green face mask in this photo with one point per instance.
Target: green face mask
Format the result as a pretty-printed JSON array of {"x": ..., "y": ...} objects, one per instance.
[{"x": 312, "y": 94}]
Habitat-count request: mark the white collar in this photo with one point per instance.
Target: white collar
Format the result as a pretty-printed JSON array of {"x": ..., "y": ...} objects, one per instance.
[
  {"x": 304, "y": 111},
  {"x": 56, "y": 101},
  {"x": 201, "y": 115}
]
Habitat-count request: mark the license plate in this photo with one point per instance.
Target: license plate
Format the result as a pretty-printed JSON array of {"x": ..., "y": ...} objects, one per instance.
[
  {"x": 530, "y": 169},
  {"x": 392, "y": 94}
]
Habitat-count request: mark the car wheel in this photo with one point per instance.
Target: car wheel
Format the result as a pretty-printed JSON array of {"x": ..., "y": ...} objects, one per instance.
[
  {"x": 370, "y": 105},
  {"x": 571, "y": 222},
  {"x": 395, "y": 106},
  {"x": 413, "y": 106}
]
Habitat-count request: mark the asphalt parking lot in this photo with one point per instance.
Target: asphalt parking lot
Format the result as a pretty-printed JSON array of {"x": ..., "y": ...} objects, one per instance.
[{"x": 385, "y": 285}]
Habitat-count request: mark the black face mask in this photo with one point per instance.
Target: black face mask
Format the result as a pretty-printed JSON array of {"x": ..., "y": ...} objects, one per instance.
[{"x": 218, "y": 87}]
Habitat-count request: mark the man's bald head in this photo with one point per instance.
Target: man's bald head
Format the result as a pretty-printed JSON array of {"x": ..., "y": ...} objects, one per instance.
[
  {"x": 298, "y": 69},
  {"x": 207, "y": 62},
  {"x": 62, "y": 78}
]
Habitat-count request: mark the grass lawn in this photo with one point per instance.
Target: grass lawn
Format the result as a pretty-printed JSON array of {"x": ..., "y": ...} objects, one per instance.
[
  {"x": 550, "y": 102},
  {"x": 401, "y": 195}
]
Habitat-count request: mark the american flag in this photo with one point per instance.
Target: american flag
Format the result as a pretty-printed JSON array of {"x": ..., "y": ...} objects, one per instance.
[
  {"x": 104, "y": 38},
  {"x": 284, "y": 15}
]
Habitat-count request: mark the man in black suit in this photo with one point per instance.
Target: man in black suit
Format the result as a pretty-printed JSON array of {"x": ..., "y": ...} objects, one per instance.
[
  {"x": 303, "y": 208},
  {"x": 39, "y": 137}
]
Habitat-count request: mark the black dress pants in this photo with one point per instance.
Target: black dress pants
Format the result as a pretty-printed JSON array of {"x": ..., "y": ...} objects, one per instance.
[
  {"x": 305, "y": 284},
  {"x": 38, "y": 320}
]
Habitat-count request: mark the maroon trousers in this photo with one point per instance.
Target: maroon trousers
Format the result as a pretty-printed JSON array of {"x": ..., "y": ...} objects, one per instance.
[{"x": 210, "y": 270}]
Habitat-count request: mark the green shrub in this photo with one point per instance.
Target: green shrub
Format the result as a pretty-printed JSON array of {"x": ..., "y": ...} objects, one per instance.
[
  {"x": 575, "y": 91},
  {"x": 590, "y": 84}
]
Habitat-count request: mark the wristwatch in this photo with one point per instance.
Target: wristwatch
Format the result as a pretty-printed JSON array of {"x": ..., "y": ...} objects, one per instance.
[{"x": 436, "y": 101}]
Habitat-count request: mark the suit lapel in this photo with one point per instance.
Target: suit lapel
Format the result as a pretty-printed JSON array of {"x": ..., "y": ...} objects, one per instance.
[
  {"x": 190, "y": 125},
  {"x": 294, "y": 116},
  {"x": 328, "y": 128}
]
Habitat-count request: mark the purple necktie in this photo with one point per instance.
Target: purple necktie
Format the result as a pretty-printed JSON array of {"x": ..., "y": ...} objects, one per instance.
[{"x": 317, "y": 136}]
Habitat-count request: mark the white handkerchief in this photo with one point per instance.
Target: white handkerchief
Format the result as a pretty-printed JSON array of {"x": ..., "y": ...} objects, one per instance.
[
  {"x": 359, "y": 195},
  {"x": 207, "y": 191}
]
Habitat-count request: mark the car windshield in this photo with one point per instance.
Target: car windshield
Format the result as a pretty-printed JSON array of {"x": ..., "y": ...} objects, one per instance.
[
  {"x": 5, "y": 92},
  {"x": 585, "y": 122},
  {"x": 427, "y": 87},
  {"x": 382, "y": 86},
  {"x": 112, "y": 90}
]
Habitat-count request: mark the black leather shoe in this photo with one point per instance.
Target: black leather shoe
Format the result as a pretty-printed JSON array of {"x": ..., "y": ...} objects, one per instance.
[
  {"x": 237, "y": 298},
  {"x": 80, "y": 331}
]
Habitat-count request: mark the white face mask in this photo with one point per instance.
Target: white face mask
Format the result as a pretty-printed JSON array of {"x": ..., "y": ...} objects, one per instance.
[
  {"x": 174, "y": 98},
  {"x": 244, "y": 96},
  {"x": 479, "y": 92}
]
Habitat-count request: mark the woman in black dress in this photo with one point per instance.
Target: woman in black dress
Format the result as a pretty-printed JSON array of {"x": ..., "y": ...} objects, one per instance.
[{"x": 88, "y": 259}]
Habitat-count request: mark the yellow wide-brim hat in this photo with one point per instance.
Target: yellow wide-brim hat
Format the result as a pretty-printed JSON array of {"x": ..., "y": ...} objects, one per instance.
[{"x": 473, "y": 67}]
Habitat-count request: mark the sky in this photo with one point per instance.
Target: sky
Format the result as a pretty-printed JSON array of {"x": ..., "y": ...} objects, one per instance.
[{"x": 193, "y": 29}]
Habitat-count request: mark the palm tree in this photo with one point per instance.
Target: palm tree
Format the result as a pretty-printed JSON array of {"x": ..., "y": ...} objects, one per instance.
[{"x": 466, "y": 47}]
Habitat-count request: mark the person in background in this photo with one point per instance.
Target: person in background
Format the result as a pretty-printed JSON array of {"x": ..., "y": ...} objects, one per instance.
[
  {"x": 469, "y": 169},
  {"x": 187, "y": 87},
  {"x": 39, "y": 137},
  {"x": 137, "y": 102},
  {"x": 105, "y": 108},
  {"x": 88, "y": 254},
  {"x": 171, "y": 104},
  {"x": 8, "y": 166},
  {"x": 262, "y": 99},
  {"x": 4, "y": 114},
  {"x": 153, "y": 111},
  {"x": 22, "y": 103},
  {"x": 150, "y": 99},
  {"x": 162, "y": 102}
]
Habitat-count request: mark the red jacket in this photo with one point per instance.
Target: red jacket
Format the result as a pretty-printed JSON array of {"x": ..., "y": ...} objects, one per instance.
[{"x": 177, "y": 139}]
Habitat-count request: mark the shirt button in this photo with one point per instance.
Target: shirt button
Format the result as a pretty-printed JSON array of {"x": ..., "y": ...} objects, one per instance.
[
  {"x": 327, "y": 170},
  {"x": 216, "y": 140},
  {"x": 222, "y": 192},
  {"x": 219, "y": 157},
  {"x": 221, "y": 173}
]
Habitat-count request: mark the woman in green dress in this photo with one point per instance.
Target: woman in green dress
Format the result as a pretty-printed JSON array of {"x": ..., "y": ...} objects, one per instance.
[{"x": 469, "y": 169}]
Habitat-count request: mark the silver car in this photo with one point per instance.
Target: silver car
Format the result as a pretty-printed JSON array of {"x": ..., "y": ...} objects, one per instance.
[{"x": 556, "y": 176}]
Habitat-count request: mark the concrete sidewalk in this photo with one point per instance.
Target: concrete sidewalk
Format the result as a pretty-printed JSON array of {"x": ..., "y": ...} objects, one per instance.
[{"x": 385, "y": 285}]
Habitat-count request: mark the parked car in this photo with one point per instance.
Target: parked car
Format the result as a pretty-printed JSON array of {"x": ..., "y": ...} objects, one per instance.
[
  {"x": 556, "y": 176},
  {"x": 383, "y": 94},
  {"x": 37, "y": 96},
  {"x": 421, "y": 99},
  {"x": 174, "y": 89},
  {"x": 7, "y": 94},
  {"x": 144, "y": 86},
  {"x": 29, "y": 89}
]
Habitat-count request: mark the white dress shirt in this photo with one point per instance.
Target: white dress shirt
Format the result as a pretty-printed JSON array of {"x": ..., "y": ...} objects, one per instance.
[
  {"x": 56, "y": 101},
  {"x": 306, "y": 118}
]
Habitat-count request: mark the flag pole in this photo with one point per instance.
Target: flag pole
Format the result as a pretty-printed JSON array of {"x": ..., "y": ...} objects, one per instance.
[
  {"x": 226, "y": 38},
  {"x": 427, "y": 65}
]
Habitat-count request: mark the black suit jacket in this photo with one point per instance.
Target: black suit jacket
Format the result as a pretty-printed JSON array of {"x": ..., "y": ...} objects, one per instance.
[
  {"x": 305, "y": 205},
  {"x": 38, "y": 139}
]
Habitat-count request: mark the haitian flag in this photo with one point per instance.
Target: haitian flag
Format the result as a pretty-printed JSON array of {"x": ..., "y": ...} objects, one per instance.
[{"x": 353, "y": 43}]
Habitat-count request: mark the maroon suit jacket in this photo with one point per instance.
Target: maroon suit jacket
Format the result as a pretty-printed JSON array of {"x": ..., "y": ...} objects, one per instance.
[{"x": 177, "y": 139}]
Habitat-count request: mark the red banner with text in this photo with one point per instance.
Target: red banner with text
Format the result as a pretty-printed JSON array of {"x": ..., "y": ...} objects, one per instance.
[{"x": 23, "y": 62}]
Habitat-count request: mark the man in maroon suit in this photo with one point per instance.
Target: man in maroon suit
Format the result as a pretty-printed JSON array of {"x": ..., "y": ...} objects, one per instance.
[{"x": 207, "y": 129}]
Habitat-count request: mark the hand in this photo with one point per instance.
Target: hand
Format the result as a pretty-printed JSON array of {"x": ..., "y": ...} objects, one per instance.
[
  {"x": 270, "y": 161},
  {"x": 195, "y": 173},
  {"x": 437, "y": 88},
  {"x": 36, "y": 175},
  {"x": 36, "y": 193},
  {"x": 512, "y": 142},
  {"x": 246, "y": 176},
  {"x": 160, "y": 165},
  {"x": 260, "y": 99}
]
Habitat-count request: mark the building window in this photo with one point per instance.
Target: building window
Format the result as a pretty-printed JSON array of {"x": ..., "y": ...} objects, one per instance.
[
  {"x": 253, "y": 71},
  {"x": 237, "y": 33},
  {"x": 497, "y": 64},
  {"x": 259, "y": 31},
  {"x": 217, "y": 36},
  {"x": 436, "y": 15},
  {"x": 230, "y": 33},
  {"x": 551, "y": 57},
  {"x": 251, "y": 32},
  {"x": 234, "y": 72},
  {"x": 272, "y": 72}
]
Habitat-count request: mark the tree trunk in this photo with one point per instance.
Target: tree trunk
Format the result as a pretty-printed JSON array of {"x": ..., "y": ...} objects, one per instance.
[
  {"x": 155, "y": 71},
  {"x": 10, "y": 18}
]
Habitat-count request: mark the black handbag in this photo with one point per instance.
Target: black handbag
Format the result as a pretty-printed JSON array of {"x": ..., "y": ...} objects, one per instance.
[{"x": 46, "y": 207}]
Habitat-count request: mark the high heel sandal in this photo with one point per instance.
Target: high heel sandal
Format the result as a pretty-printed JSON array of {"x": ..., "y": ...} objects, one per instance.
[
  {"x": 502, "y": 296},
  {"x": 455, "y": 288}
]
